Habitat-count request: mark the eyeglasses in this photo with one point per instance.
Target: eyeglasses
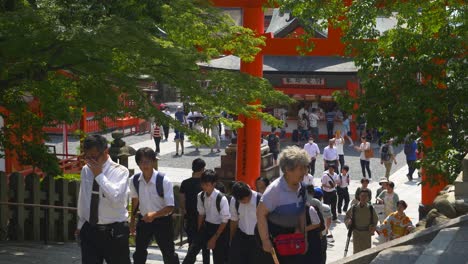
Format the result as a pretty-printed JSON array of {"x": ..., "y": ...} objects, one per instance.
[{"x": 96, "y": 157}]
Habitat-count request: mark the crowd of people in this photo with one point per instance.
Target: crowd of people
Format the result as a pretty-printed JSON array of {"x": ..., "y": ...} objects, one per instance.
[{"x": 248, "y": 224}]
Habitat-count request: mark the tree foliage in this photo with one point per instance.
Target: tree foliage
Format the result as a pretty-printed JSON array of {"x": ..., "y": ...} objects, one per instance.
[
  {"x": 413, "y": 76},
  {"x": 105, "y": 46}
]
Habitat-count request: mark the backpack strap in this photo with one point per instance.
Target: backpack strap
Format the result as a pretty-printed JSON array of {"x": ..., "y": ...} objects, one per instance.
[
  {"x": 159, "y": 184},
  {"x": 259, "y": 197},
  {"x": 136, "y": 182},
  {"x": 219, "y": 197},
  {"x": 303, "y": 193},
  {"x": 308, "y": 219},
  {"x": 237, "y": 204},
  {"x": 322, "y": 220},
  {"x": 353, "y": 217}
]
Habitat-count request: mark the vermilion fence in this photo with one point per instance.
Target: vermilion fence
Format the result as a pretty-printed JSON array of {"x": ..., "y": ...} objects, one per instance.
[{"x": 93, "y": 126}]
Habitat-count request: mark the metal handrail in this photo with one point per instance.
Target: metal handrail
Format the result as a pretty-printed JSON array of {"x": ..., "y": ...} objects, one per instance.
[{"x": 39, "y": 205}]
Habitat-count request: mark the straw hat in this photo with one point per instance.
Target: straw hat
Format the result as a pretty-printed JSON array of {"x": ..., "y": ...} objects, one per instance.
[{"x": 383, "y": 180}]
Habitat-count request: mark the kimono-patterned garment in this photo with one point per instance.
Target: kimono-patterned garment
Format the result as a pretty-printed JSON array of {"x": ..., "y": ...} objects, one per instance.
[{"x": 395, "y": 226}]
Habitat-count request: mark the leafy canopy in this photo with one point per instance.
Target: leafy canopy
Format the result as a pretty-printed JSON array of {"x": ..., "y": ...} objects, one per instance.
[
  {"x": 413, "y": 76},
  {"x": 105, "y": 46}
]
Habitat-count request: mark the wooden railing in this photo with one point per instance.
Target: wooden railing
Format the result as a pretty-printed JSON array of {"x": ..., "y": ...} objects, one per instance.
[{"x": 44, "y": 209}]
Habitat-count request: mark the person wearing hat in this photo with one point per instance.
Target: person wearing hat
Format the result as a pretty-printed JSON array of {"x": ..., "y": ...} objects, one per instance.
[
  {"x": 383, "y": 182},
  {"x": 389, "y": 199},
  {"x": 364, "y": 186}
]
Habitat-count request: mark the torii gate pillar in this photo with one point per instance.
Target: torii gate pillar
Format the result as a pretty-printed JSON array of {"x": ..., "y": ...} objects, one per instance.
[{"x": 248, "y": 137}]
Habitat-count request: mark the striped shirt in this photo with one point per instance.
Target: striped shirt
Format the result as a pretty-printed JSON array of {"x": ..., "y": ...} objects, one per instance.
[{"x": 156, "y": 131}]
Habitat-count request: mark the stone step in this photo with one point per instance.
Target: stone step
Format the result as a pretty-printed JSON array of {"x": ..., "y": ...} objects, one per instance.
[
  {"x": 461, "y": 186},
  {"x": 433, "y": 253}
]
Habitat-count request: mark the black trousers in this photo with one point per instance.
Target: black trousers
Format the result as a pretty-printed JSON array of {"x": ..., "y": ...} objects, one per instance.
[
  {"x": 157, "y": 142},
  {"x": 312, "y": 167},
  {"x": 161, "y": 229},
  {"x": 314, "y": 249},
  {"x": 219, "y": 252},
  {"x": 105, "y": 242},
  {"x": 191, "y": 230},
  {"x": 411, "y": 167},
  {"x": 365, "y": 165},
  {"x": 166, "y": 132},
  {"x": 343, "y": 196},
  {"x": 244, "y": 249},
  {"x": 331, "y": 199},
  {"x": 330, "y": 126},
  {"x": 324, "y": 243}
]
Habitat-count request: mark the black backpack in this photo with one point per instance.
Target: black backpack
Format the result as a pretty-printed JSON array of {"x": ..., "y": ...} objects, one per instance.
[
  {"x": 319, "y": 213},
  {"x": 159, "y": 183},
  {"x": 219, "y": 197},
  {"x": 385, "y": 153},
  {"x": 237, "y": 204}
]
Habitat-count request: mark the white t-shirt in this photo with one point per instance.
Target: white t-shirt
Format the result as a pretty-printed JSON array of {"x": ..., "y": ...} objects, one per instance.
[{"x": 339, "y": 145}]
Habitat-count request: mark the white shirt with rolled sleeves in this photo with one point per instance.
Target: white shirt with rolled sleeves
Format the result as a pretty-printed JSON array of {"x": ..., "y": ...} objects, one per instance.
[
  {"x": 247, "y": 216},
  {"x": 312, "y": 149},
  {"x": 148, "y": 197},
  {"x": 330, "y": 153},
  {"x": 326, "y": 179},
  {"x": 113, "y": 193},
  {"x": 209, "y": 210}
]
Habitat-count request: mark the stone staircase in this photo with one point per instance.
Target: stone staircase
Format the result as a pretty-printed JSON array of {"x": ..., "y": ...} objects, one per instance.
[{"x": 439, "y": 244}]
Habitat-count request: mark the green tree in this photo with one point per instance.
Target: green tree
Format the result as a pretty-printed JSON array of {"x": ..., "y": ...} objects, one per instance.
[
  {"x": 105, "y": 46},
  {"x": 412, "y": 76}
]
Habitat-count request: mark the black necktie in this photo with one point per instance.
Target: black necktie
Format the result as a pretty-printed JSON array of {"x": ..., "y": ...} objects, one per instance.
[{"x": 93, "y": 213}]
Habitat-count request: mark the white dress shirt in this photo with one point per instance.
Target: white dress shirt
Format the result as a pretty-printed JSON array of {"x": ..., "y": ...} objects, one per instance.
[
  {"x": 309, "y": 180},
  {"x": 148, "y": 197},
  {"x": 209, "y": 210},
  {"x": 247, "y": 216},
  {"x": 330, "y": 153},
  {"x": 113, "y": 193},
  {"x": 326, "y": 179},
  {"x": 344, "y": 180},
  {"x": 312, "y": 149}
]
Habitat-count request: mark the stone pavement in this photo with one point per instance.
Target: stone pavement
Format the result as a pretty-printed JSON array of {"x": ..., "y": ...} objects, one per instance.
[{"x": 179, "y": 168}]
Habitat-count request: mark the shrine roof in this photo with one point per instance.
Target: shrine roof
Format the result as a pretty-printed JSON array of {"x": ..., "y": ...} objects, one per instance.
[
  {"x": 296, "y": 64},
  {"x": 283, "y": 23}
]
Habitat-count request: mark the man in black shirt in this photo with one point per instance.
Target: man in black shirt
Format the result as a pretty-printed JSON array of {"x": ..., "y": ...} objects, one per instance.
[{"x": 189, "y": 190}]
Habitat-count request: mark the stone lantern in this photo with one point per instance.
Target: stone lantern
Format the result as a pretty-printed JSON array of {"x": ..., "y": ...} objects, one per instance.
[{"x": 118, "y": 151}]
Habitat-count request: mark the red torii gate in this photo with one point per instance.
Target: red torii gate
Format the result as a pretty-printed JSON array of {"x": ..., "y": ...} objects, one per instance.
[
  {"x": 248, "y": 140},
  {"x": 248, "y": 137}
]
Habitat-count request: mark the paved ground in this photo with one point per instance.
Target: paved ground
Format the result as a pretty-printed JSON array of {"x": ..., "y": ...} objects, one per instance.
[
  {"x": 178, "y": 168},
  {"x": 169, "y": 160}
]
